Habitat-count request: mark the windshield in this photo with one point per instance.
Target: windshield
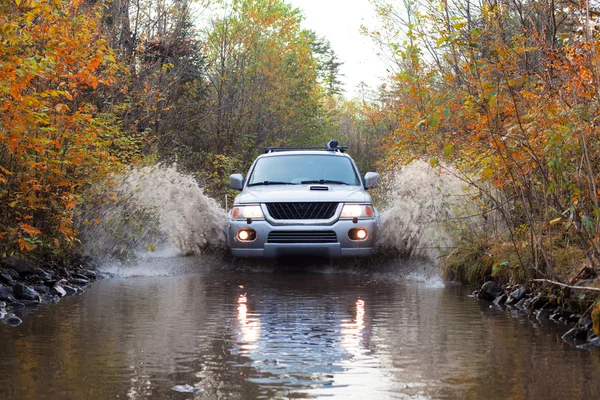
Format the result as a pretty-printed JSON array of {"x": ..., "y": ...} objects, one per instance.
[{"x": 303, "y": 168}]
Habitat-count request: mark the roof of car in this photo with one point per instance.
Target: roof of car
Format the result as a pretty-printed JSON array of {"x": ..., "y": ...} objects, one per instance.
[{"x": 305, "y": 152}]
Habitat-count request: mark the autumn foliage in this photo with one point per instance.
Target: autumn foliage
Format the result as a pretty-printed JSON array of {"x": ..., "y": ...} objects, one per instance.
[
  {"x": 509, "y": 94},
  {"x": 55, "y": 139}
]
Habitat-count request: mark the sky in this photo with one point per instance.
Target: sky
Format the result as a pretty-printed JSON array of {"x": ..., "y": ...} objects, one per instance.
[{"x": 339, "y": 21}]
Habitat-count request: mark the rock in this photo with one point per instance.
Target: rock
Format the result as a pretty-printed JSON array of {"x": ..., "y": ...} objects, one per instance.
[
  {"x": 542, "y": 314},
  {"x": 519, "y": 293},
  {"x": 516, "y": 295},
  {"x": 7, "y": 294},
  {"x": 58, "y": 291},
  {"x": 489, "y": 291},
  {"x": 31, "y": 303},
  {"x": 591, "y": 345},
  {"x": 23, "y": 292},
  {"x": 80, "y": 276},
  {"x": 500, "y": 299},
  {"x": 47, "y": 299},
  {"x": 555, "y": 316},
  {"x": 43, "y": 275},
  {"x": 80, "y": 282},
  {"x": 6, "y": 278},
  {"x": 23, "y": 267},
  {"x": 12, "y": 320},
  {"x": 16, "y": 305},
  {"x": 2, "y": 304},
  {"x": 69, "y": 290},
  {"x": 12, "y": 273},
  {"x": 90, "y": 274},
  {"x": 586, "y": 323},
  {"x": 522, "y": 304},
  {"x": 573, "y": 318},
  {"x": 575, "y": 333},
  {"x": 50, "y": 283},
  {"x": 41, "y": 289},
  {"x": 475, "y": 293},
  {"x": 3, "y": 313},
  {"x": 538, "y": 302}
]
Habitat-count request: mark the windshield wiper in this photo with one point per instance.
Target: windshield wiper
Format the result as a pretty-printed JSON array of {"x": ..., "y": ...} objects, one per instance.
[
  {"x": 270, "y": 183},
  {"x": 325, "y": 181}
]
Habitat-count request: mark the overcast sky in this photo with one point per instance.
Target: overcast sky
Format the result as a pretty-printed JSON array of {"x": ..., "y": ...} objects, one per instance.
[{"x": 340, "y": 22}]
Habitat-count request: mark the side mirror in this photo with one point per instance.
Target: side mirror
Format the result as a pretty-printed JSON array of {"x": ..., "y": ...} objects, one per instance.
[
  {"x": 371, "y": 180},
  {"x": 236, "y": 181}
]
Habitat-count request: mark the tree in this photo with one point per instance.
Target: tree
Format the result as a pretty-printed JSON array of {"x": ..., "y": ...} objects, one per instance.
[
  {"x": 509, "y": 93},
  {"x": 54, "y": 140}
]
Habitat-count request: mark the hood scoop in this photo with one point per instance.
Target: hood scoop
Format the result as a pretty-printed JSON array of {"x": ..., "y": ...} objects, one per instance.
[{"x": 319, "y": 188}]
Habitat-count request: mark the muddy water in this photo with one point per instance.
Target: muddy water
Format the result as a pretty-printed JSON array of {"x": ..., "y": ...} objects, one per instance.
[{"x": 246, "y": 335}]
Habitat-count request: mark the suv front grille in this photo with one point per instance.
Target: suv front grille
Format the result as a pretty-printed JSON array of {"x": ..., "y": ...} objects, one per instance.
[
  {"x": 302, "y": 210},
  {"x": 302, "y": 237}
]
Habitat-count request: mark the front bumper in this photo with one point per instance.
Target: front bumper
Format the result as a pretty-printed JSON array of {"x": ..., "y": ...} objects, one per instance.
[{"x": 342, "y": 247}]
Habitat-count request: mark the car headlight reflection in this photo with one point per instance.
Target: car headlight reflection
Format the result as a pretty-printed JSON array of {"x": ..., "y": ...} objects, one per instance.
[
  {"x": 245, "y": 212},
  {"x": 357, "y": 211}
]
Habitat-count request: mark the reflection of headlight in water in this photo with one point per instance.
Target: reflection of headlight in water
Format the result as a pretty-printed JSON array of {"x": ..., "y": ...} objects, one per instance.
[
  {"x": 352, "y": 331},
  {"x": 249, "y": 326}
]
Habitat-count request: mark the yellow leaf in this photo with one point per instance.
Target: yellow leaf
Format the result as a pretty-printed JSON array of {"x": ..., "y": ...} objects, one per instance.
[{"x": 487, "y": 173}]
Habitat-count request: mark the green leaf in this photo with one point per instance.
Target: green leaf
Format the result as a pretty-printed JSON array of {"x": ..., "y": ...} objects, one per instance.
[
  {"x": 433, "y": 120},
  {"x": 446, "y": 112},
  {"x": 434, "y": 162},
  {"x": 447, "y": 149},
  {"x": 587, "y": 222}
]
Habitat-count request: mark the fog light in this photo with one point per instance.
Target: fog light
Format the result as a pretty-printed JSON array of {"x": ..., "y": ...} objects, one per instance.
[
  {"x": 358, "y": 234},
  {"x": 246, "y": 235}
]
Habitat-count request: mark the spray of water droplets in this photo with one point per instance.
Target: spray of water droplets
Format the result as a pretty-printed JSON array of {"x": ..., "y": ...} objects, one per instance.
[
  {"x": 151, "y": 209},
  {"x": 428, "y": 209}
]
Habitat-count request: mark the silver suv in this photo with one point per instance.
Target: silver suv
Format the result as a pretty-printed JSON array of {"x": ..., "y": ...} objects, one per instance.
[{"x": 303, "y": 202}]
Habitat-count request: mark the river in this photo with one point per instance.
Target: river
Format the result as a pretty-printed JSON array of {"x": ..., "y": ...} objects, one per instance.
[{"x": 275, "y": 333}]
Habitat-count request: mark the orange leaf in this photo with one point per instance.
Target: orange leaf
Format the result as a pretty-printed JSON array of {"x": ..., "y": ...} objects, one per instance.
[{"x": 30, "y": 230}]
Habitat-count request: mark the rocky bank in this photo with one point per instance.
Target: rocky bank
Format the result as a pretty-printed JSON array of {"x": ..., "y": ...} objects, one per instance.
[
  {"x": 532, "y": 300},
  {"x": 24, "y": 287}
]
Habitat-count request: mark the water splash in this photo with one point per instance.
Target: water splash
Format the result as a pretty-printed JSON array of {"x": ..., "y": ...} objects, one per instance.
[
  {"x": 428, "y": 209},
  {"x": 148, "y": 210}
]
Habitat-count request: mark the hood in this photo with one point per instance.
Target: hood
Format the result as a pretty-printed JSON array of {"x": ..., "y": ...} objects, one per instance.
[{"x": 300, "y": 193}]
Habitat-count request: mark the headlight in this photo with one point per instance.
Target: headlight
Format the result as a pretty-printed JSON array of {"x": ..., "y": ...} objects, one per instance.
[
  {"x": 244, "y": 212},
  {"x": 357, "y": 211}
]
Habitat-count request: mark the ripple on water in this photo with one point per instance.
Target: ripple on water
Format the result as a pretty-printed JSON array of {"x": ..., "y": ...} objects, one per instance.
[{"x": 268, "y": 335}]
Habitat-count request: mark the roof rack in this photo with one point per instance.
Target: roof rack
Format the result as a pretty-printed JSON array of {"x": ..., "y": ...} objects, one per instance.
[
  {"x": 340, "y": 149},
  {"x": 331, "y": 146}
]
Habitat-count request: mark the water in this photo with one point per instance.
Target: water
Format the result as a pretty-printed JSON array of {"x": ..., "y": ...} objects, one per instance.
[
  {"x": 149, "y": 210},
  {"x": 427, "y": 209},
  {"x": 244, "y": 333}
]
